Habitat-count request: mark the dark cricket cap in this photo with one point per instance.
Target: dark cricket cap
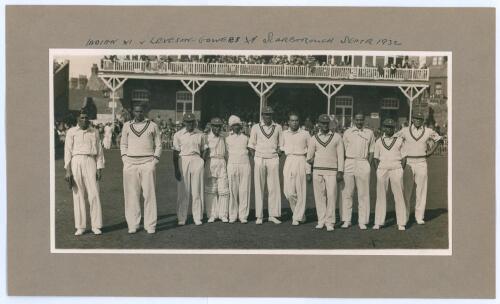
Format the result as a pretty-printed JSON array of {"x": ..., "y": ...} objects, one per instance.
[
  {"x": 267, "y": 110},
  {"x": 389, "y": 122},
  {"x": 216, "y": 121},
  {"x": 324, "y": 118},
  {"x": 189, "y": 117},
  {"x": 418, "y": 115}
]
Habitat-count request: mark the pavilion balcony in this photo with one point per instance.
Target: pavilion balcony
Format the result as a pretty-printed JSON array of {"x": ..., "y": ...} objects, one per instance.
[{"x": 271, "y": 71}]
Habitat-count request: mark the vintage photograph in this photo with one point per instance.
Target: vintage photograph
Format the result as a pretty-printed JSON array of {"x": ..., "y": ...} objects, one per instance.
[{"x": 299, "y": 152}]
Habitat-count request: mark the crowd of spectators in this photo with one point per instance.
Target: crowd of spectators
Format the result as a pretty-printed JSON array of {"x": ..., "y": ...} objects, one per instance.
[
  {"x": 168, "y": 128},
  {"x": 264, "y": 59}
]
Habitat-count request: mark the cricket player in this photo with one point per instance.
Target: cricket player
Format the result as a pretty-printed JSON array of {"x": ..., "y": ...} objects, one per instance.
[
  {"x": 265, "y": 141},
  {"x": 83, "y": 161},
  {"x": 238, "y": 171},
  {"x": 180, "y": 182},
  {"x": 390, "y": 160},
  {"x": 326, "y": 154},
  {"x": 359, "y": 143},
  {"x": 415, "y": 139},
  {"x": 140, "y": 148},
  {"x": 216, "y": 181},
  {"x": 189, "y": 146},
  {"x": 296, "y": 170}
]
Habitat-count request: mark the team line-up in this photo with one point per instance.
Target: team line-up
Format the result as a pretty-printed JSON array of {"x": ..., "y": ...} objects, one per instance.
[{"x": 214, "y": 172}]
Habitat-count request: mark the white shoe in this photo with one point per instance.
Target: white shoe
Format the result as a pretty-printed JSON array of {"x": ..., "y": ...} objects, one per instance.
[
  {"x": 274, "y": 220},
  {"x": 376, "y": 227},
  {"x": 79, "y": 231},
  {"x": 303, "y": 220},
  {"x": 96, "y": 231},
  {"x": 421, "y": 222},
  {"x": 224, "y": 220},
  {"x": 329, "y": 228},
  {"x": 243, "y": 221},
  {"x": 258, "y": 221},
  {"x": 197, "y": 223},
  {"x": 401, "y": 227},
  {"x": 320, "y": 226},
  {"x": 181, "y": 223},
  {"x": 232, "y": 221},
  {"x": 346, "y": 225},
  {"x": 132, "y": 231},
  {"x": 211, "y": 220},
  {"x": 151, "y": 231},
  {"x": 295, "y": 223},
  {"x": 362, "y": 226}
]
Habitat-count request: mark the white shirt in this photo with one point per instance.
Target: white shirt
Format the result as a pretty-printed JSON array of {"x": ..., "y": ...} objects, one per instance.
[
  {"x": 108, "y": 131},
  {"x": 295, "y": 142},
  {"x": 83, "y": 142},
  {"x": 389, "y": 151},
  {"x": 217, "y": 145},
  {"x": 358, "y": 142},
  {"x": 266, "y": 140},
  {"x": 189, "y": 143},
  {"x": 415, "y": 141},
  {"x": 236, "y": 145}
]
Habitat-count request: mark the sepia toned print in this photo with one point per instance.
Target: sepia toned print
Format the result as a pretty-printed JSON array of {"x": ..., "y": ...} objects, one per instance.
[{"x": 253, "y": 152}]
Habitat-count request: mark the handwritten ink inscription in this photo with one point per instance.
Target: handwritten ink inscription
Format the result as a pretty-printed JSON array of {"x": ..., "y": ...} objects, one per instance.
[{"x": 232, "y": 39}]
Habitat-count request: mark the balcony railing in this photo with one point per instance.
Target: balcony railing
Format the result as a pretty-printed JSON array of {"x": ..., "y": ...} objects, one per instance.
[{"x": 264, "y": 70}]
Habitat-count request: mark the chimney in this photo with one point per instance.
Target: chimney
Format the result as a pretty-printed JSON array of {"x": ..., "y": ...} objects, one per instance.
[{"x": 94, "y": 69}]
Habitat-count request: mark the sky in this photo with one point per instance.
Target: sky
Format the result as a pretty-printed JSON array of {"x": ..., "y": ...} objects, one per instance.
[{"x": 80, "y": 65}]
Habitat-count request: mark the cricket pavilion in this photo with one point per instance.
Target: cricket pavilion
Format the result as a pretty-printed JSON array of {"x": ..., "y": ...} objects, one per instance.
[{"x": 172, "y": 88}]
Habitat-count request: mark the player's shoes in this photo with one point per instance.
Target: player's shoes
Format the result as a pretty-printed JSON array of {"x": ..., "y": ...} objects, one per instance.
[
  {"x": 224, "y": 220},
  {"x": 211, "y": 220},
  {"x": 376, "y": 227},
  {"x": 330, "y": 228},
  {"x": 243, "y": 221},
  {"x": 79, "y": 231},
  {"x": 181, "y": 223},
  {"x": 346, "y": 225},
  {"x": 421, "y": 222},
  {"x": 197, "y": 223},
  {"x": 274, "y": 220},
  {"x": 258, "y": 221},
  {"x": 96, "y": 231},
  {"x": 320, "y": 226},
  {"x": 132, "y": 231},
  {"x": 362, "y": 226},
  {"x": 295, "y": 223},
  {"x": 401, "y": 227}
]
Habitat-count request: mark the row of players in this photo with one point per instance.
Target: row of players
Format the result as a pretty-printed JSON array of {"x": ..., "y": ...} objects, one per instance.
[{"x": 214, "y": 173}]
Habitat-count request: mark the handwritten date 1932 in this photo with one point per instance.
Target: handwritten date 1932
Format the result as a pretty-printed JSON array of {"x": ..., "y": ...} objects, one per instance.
[{"x": 370, "y": 41}]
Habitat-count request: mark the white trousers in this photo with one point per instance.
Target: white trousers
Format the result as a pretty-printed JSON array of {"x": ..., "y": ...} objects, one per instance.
[
  {"x": 294, "y": 184},
  {"x": 395, "y": 177},
  {"x": 267, "y": 169},
  {"x": 356, "y": 174},
  {"x": 239, "y": 190},
  {"x": 192, "y": 187},
  {"x": 216, "y": 190},
  {"x": 325, "y": 197},
  {"x": 418, "y": 176},
  {"x": 84, "y": 169},
  {"x": 137, "y": 177},
  {"x": 181, "y": 205},
  {"x": 107, "y": 142}
]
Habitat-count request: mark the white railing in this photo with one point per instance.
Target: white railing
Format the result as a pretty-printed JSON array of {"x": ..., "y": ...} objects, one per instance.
[{"x": 264, "y": 70}]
